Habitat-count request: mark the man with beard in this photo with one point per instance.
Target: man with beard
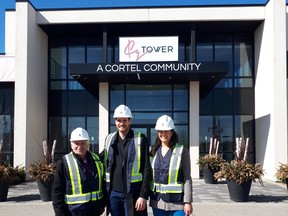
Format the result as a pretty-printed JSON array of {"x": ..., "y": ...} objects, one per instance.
[{"x": 128, "y": 170}]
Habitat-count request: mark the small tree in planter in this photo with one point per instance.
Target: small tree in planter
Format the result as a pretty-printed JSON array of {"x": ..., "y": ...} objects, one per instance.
[
  {"x": 8, "y": 175},
  {"x": 210, "y": 163},
  {"x": 239, "y": 173},
  {"x": 282, "y": 173},
  {"x": 43, "y": 171}
]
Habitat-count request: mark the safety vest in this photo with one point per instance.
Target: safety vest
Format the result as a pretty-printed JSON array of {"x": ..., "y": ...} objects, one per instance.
[
  {"x": 77, "y": 196},
  {"x": 136, "y": 176},
  {"x": 172, "y": 186}
]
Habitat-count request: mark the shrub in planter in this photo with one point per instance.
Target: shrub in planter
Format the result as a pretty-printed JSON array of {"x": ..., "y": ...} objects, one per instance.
[
  {"x": 210, "y": 163},
  {"x": 43, "y": 171},
  {"x": 239, "y": 173},
  {"x": 282, "y": 173}
]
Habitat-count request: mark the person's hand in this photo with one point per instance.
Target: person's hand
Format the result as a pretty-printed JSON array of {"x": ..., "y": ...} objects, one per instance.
[
  {"x": 188, "y": 209},
  {"x": 140, "y": 204}
]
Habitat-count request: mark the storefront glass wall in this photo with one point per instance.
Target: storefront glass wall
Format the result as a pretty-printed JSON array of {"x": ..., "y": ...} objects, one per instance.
[
  {"x": 226, "y": 112},
  {"x": 6, "y": 121},
  {"x": 70, "y": 104}
]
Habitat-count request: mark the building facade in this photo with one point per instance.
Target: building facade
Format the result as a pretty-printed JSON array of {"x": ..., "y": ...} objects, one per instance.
[{"x": 226, "y": 78}]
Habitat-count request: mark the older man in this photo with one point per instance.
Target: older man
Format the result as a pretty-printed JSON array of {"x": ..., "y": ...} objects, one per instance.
[{"x": 79, "y": 180}]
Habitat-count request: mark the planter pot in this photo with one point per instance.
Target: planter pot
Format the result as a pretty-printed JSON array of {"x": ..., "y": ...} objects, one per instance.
[
  {"x": 45, "y": 190},
  {"x": 4, "y": 187},
  {"x": 239, "y": 193},
  {"x": 208, "y": 175},
  {"x": 286, "y": 183}
]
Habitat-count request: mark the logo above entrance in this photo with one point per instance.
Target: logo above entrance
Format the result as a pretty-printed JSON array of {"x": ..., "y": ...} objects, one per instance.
[{"x": 148, "y": 49}]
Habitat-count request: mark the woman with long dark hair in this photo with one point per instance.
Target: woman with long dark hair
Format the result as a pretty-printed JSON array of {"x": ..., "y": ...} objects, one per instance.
[{"x": 171, "y": 187}]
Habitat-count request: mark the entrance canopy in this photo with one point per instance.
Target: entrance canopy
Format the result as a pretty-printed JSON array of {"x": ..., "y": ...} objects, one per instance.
[{"x": 207, "y": 73}]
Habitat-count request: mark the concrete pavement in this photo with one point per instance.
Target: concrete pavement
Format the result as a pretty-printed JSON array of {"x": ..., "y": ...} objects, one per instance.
[{"x": 209, "y": 200}]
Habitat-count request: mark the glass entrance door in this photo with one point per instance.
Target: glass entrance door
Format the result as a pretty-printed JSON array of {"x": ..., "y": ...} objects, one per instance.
[
  {"x": 148, "y": 102},
  {"x": 147, "y": 130}
]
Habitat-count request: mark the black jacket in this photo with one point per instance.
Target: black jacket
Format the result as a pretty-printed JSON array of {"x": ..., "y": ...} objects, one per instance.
[
  {"x": 62, "y": 186},
  {"x": 132, "y": 190}
]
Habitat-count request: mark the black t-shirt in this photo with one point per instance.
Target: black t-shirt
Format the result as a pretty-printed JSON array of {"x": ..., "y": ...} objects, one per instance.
[{"x": 120, "y": 158}]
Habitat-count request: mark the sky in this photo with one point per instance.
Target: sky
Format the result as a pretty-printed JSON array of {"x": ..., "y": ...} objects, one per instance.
[{"x": 52, "y": 4}]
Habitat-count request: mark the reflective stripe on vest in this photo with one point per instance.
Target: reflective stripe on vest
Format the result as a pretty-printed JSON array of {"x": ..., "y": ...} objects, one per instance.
[
  {"x": 77, "y": 197},
  {"x": 136, "y": 176},
  {"x": 172, "y": 186}
]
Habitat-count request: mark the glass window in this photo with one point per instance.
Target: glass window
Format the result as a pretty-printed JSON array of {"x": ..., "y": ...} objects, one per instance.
[
  {"x": 245, "y": 127},
  {"x": 183, "y": 134},
  {"x": 157, "y": 97},
  {"x": 58, "y": 63},
  {"x": 94, "y": 54},
  {"x": 74, "y": 122},
  {"x": 58, "y": 105},
  {"x": 204, "y": 48},
  {"x": 75, "y": 98},
  {"x": 220, "y": 127},
  {"x": 116, "y": 96},
  {"x": 58, "y": 132},
  {"x": 223, "y": 102},
  {"x": 180, "y": 95},
  {"x": 75, "y": 85},
  {"x": 205, "y": 133},
  {"x": 93, "y": 131},
  {"x": 181, "y": 117},
  {"x": 58, "y": 85},
  {"x": 223, "y": 50},
  {"x": 243, "y": 55},
  {"x": 225, "y": 83},
  {"x": 92, "y": 104},
  {"x": 243, "y": 83},
  {"x": 244, "y": 101},
  {"x": 76, "y": 54}
]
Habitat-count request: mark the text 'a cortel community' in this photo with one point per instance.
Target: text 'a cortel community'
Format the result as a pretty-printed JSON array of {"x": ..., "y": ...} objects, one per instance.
[{"x": 167, "y": 67}]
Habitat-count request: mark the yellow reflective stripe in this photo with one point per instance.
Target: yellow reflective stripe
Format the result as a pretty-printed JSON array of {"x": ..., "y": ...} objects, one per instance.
[
  {"x": 74, "y": 173},
  {"x": 175, "y": 164},
  {"x": 83, "y": 198},
  {"x": 107, "y": 177},
  {"x": 168, "y": 188},
  {"x": 70, "y": 174},
  {"x": 178, "y": 164},
  {"x": 77, "y": 197},
  {"x": 78, "y": 175},
  {"x": 136, "y": 163},
  {"x": 99, "y": 166},
  {"x": 106, "y": 150}
]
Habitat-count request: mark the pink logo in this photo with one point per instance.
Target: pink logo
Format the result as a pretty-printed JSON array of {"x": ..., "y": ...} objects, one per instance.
[{"x": 129, "y": 50}]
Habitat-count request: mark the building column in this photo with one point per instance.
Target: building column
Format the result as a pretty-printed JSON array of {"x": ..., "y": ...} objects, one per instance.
[
  {"x": 31, "y": 87},
  {"x": 271, "y": 89},
  {"x": 103, "y": 113},
  {"x": 194, "y": 127}
]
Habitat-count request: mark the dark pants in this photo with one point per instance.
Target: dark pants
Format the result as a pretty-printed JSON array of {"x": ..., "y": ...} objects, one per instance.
[{"x": 118, "y": 204}]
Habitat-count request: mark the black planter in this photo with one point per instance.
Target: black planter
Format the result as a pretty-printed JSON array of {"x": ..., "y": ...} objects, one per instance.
[
  {"x": 4, "y": 187},
  {"x": 45, "y": 190},
  {"x": 239, "y": 193},
  {"x": 286, "y": 183},
  {"x": 208, "y": 174}
]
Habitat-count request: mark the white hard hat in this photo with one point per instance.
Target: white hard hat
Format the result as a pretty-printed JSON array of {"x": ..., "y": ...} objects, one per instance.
[
  {"x": 165, "y": 122},
  {"x": 122, "y": 111},
  {"x": 79, "y": 134}
]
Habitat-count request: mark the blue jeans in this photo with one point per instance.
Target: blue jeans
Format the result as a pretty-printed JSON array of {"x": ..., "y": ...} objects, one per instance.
[
  {"x": 118, "y": 204},
  {"x": 160, "y": 212}
]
